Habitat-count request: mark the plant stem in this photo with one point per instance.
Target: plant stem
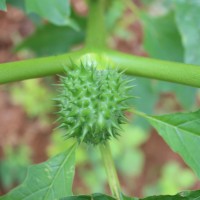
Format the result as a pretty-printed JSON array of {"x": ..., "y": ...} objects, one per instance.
[
  {"x": 138, "y": 66},
  {"x": 34, "y": 68},
  {"x": 96, "y": 33},
  {"x": 185, "y": 74},
  {"x": 110, "y": 170}
]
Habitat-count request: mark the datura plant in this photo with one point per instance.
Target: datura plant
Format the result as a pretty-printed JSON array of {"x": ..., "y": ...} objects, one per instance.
[
  {"x": 94, "y": 90},
  {"x": 92, "y": 103}
]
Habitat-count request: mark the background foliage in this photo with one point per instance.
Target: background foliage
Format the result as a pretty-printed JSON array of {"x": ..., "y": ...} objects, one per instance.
[{"x": 172, "y": 26}]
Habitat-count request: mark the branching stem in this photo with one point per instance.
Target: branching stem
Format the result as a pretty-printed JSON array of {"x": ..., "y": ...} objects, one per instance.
[
  {"x": 133, "y": 65},
  {"x": 96, "y": 43}
]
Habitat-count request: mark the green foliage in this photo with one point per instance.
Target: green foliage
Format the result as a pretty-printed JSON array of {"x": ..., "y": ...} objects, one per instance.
[
  {"x": 31, "y": 93},
  {"x": 169, "y": 182},
  {"x": 96, "y": 95},
  {"x": 56, "y": 12},
  {"x": 161, "y": 37},
  {"x": 92, "y": 104},
  {"x": 181, "y": 132},
  {"x": 114, "y": 13},
  {"x": 42, "y": 43},
  {"x": 162, "y": 33},
  {"x": 17, "y": 3},
  {"x": 3, "y": 5},
  {"x": 14, "y": 165},
  {"x": 145, "y": 89},
  {"x": 186, "y": 95},
  {"x": 89, "y": 197},
  {"x": 58, "y": 145},
  {"x": 186, "y": 195},
  {"x": 187, "y": 18},
  {"x": 187, "y": 24},
  {"x": 50, "y": 180},
  {"x": 162, "y": 40},
  {"x": 186, "y": 178},
  {"x": 127, "y": 162}
]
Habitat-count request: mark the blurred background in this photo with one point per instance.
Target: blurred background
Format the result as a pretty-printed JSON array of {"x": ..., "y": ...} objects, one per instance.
[{"x": 145, "y": 164}]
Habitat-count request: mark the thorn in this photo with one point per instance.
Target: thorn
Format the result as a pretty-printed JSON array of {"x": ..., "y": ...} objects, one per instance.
[
  {"x": 124, "y": 108},
  {"x": 60, "y": 126},
  {"x": 57, "y": 120},
  {"x": 127, "y": 81},
  {"x": 110, "y": 132},
  {"x": 55, "y": 99},
  {"x": 85, "y": 130},
  {"x": 122, "y": 72},
  {"x": 124, "y": 99},
  {"x": 116, "y": 126},
  {"x": 129, "y": 87}
]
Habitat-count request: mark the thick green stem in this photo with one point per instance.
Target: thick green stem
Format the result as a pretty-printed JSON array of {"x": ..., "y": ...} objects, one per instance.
[
  {"x": 96, "y": 33},
  {"x": 34, "y": 68},
  {"x": 157, "y": 69},
  {"x": 134, "y": 65},
  {"x": 110, "y": 170}
]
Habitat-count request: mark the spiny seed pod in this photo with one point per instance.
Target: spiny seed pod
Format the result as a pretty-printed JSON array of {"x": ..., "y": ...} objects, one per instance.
[{"x": 92, "y": 103}]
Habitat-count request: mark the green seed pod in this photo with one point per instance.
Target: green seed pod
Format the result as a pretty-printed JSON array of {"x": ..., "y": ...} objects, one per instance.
[{"x": 92, "y": 103}]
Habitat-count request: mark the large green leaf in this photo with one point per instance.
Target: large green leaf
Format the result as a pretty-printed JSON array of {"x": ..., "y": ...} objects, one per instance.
[
  {"x": 50, "y": 180},
  {"x": 3, "y": 5},
  {"x": 89, "y": 197},
  {"x": 161, "y": 37},
  {"x": 162, "y": 40},
  {"x": 187, "y": 18},
  {"x": 57, "y": 12},
  {"x": 181, "y": 131},
  {"x": 186, "y": 195},
  {"x": 51, "y": 40}
]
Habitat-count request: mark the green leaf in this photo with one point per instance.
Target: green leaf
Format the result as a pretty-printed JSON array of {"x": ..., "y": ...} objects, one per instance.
[
  {"x": 187, "y": 18},
  {"x": 14, "y": 165},
  {"x": 17, "y": 3},
  {"x": 169, "y": 185},
  {"x": 162, "y": 40},
  {"x": 161, "y": 37},
  {"x": 3, "y": 5},
  {"x": 57, "y": 12},
  {"x": 181, "y": 132},
  {"x": 50, "y": 180},
  {"x": 185, "y": 195},
  {"x": 89, "y": 197},
  {"x": 51, "y": 40},
  {"x": 114, "y": 13}
]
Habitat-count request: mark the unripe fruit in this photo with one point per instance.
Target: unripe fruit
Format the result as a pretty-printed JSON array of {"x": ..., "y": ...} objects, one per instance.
[{"x": 92, "y": 103}]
